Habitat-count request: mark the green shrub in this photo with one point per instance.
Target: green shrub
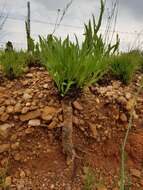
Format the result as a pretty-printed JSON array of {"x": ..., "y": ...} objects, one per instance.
[
  {"x": 13, "y": 63},
  {"x": 124, "y": 67},
  {"x": 73, "y": 65}
]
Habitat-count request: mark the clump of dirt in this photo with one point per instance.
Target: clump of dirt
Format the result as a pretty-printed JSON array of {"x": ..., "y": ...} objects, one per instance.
[{"x": 31, "y": 121}]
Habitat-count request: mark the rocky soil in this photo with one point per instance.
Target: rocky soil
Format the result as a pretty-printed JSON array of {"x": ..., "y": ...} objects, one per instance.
[{"x": 31, "y": 118}]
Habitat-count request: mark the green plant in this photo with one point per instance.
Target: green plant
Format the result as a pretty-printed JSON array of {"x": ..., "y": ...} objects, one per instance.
[
  {"x": 13, "y": 63},
  {"x": 89, "y": 179},
  {"x": 33, "y": 55},
  {"x": 73, "y": 65},
  {"x": 124, "y": 66}
]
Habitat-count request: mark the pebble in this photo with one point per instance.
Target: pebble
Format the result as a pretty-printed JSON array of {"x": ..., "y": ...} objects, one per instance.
[
  {"x": 10, "y": 109},
  {"x": 123, "y": 117},
  {"x": 135, "y": 173},
  {"x": 77, "y": 106},
  {"x": 24, "y": 110},
  {"x": 93, "y": 130},
  {"x": 4, "y": 117},
  {"x": 18, "y": 108},
  {"x": 30, "y": 115},
  {"x": 8, "y": 181},
  {"x": 34, "y": 123},
  {"x": 2, "y": 110},
  {"x": 4, "y": 148},
  {"x": 22, "y": 174},
  {"x": 45, "y": 86},
  {"x": 27, "y": 96},
  {"x": 15, "y": 146}
]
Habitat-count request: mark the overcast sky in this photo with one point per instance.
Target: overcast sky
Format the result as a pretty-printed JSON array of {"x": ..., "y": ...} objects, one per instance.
[{"x": 129, "y": 22}]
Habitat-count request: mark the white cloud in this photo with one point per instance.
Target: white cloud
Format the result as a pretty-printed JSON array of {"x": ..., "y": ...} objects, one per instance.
[{"x": 79, "y": 12}]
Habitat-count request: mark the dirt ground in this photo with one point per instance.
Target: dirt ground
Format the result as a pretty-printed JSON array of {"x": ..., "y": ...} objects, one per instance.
[{"x": 31, "y": 117}]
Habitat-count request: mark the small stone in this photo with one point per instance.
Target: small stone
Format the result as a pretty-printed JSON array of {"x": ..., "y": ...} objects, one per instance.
[
  {"x": 48, "y": 113},
  {"x": 52, "y": 186},
  {"x": 101, "y": 187},
  {"x": 2, "y": 110},
  {"x": 4, "y": 148},
  {"x": 128, "y": 95},
  {"x": 75, "y": 120},
  {"x": 17, "y": 157},
  {"x": 27, "y": 96},
  {"x": 29, "y": 130},
  {"x": 8, "y": 181},
  {"x": 27, "y": 172},
  {"x": 130, "y": 104},
  {"x": 5, "y": 127},
  {"x": 30, "y": 115},
  {"x": 29, "y": 75},
  {"x": 52, "y": 125},
  {"x": 24, "y": 110},
  {"x": 15, "y": 146},
  {"x": 135, "y": 173},
  {"x": 4, "y": 117},
  {"x": 97, "y": 100},
  {"x": 135, "y": 115},
  {"x": 122, "y": 100},
  {"x": 28, "y": 104},
  {"x": 34, "y": 123},
  {"x": 45, "y": 86},
  {"x": 123, "y": 117},
  {"x": 77, "y": 106},
  {"x": 10, "y": 109},
  {"x": 18, "y": 108},
  {"x": 22, "y": 174},
  {"x": 93, "y": 130}
]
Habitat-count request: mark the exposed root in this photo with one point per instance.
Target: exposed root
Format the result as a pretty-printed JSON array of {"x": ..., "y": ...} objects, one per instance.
[{"x": 67, "y": 132}]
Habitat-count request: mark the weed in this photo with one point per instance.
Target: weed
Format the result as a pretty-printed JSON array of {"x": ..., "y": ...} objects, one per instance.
[
  {"x": 89, "y": 179},
  {"x": 13, "y": 63},
  {"x": 3, "y": 174},
  {"x": 124, "y": 66},
  {"x": 73, "y": 65}
]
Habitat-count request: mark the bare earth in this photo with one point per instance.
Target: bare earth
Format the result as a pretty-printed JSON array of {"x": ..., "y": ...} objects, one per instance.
[{"x": 31, "y": 120}]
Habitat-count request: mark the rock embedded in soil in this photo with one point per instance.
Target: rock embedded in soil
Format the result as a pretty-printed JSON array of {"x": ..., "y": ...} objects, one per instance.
[
  {"x": 77, "y": 106},
  {"x": 15, "y": 146},
  {"x": 2, "y": 110},
  {"x": 4, "y": 148},
  {"x": 48, "y": 113},
  {"x": 29, "y": 75},
  {"x": 22, "y": 174},
  {"x": 123, "y": 117},
  {"x": 122, "y": 100},
  {"x": 8, "y": 182},
  {"x": 24, "y": 110},
  {"x": 4, "y": 127},
  {"x": 128, "y": 95},
  {"x": 93, "y": 130},
  {"x": 30, "y": 115},
  {"x": 4, "y": 117},
  {"x": 45, "y": 86},
  {"x": 10, "y": 109},
  {"x": 135, "y": 173},
  {"x": 18, "y": 108},
  {"x": 130, "y": 104},
  {"x": 34, "y": 123},
  {"x": 101, "y": 187},
  {"x": 27, "y": 96}
]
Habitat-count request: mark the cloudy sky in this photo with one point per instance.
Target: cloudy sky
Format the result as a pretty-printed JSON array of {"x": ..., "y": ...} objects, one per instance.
[{"x": 44, "y": 14}]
